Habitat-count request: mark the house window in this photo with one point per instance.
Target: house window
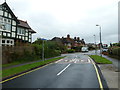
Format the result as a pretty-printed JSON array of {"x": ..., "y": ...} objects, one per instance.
[
  {"x": 5, "y": 20},
  {"x": 3, "y": 41},
  {"x": 1, "y": 12},
  {"x": 13, "y": 34},
  {"x": 21, "y": 31},
  {"x": 14, "y": 23},
  {"x": 8, "y": 41},
  {"x": 26, "y": 38},
  {"x": 13, "y": 28},
  {"x": 8, "y": 34},
  {"x": 11, "y": 42},
  {"x": 6, "y": 14},
  {"x": 10, "y": 16},
  {"x": 0, "y": 7},
  {"x": 9, "y": 21},
  {"x": 7, "y": 27},
  {"x": 1, "y": 22},
  {"x": 6, "y": 24},
  {"x": 4, "y": 34}
]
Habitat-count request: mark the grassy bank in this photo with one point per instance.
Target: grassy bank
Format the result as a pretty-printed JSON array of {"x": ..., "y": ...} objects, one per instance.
[
  {"x": 100, "y": 60},
  {"x": 16, "y": 70}
]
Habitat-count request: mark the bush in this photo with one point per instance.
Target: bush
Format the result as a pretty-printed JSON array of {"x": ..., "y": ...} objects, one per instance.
[
  {"x": 32, "y": 52},
  {"x": 70, "y": 50},
  {"x": 77, "y": 49},
  {"x": 116, "y": 51},
  {"x": 24, "y": 55}
]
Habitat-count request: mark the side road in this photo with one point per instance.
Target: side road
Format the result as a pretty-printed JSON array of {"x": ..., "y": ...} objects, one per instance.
[{"x": 12, "y": 66}]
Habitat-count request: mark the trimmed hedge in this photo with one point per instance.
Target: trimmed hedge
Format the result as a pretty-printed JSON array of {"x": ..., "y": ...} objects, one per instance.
[
  {"x": 114, "y": 51},
  {"x": 70, "y": 50}
]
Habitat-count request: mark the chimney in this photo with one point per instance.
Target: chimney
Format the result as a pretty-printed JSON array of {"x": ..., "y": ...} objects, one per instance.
[
  {"x": 78, "y": 38},
  {"x": 68, "y": 36},
  {"x": 74, "y": 38}
]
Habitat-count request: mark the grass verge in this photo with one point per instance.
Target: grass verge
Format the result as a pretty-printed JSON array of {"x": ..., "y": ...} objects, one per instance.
[
  {"x": 100, "y": 60},
  {"x": 16, "y": 70},
  {"x": 14, "y": 63},
  {"x": 22, "y": 61}
]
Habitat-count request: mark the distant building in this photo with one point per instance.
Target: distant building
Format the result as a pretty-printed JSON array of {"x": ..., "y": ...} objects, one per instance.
[
  {"x": 91, "y": 45},
  {"x": 13, "y": 30},
  {"x": 70, "y": 42}
]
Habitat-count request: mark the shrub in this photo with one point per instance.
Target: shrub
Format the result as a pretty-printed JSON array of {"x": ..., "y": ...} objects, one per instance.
[
  {"x": 77, "y": 49},
  {"x": 116, "y": 51},
  {"x": 70, "y": 50}
]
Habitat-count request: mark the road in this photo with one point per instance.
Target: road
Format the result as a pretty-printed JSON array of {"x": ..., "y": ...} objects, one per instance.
[{"x": 74, "y": 71}]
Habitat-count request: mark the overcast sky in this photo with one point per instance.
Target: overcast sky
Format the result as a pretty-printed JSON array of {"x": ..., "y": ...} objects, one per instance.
[{"x": 57, "y": 18}]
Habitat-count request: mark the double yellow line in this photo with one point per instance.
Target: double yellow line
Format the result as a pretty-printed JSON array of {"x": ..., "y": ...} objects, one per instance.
[
  {"x": 98, "y": 76},
  {"x": 24, "y": 73}
]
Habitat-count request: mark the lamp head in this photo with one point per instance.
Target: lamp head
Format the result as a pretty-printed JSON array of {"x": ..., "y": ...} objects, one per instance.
[{"x": 97, "y": 25}]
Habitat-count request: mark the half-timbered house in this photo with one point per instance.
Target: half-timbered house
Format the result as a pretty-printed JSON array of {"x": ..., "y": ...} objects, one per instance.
[{"x": 13, "y": 30}]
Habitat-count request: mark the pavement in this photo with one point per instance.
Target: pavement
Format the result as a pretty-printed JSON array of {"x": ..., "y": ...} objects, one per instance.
[
  {"x": 110, "y": 72},
  {"x": 74, "y": 71}
]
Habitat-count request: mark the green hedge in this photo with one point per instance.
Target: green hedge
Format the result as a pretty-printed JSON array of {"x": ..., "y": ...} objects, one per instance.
[
  {"x": 70, "y": 50},
  {"x": 116, "y": 51}
]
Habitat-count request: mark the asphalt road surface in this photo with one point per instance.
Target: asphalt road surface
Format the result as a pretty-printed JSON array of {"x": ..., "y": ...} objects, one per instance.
[{"x": 74, "y": 71}]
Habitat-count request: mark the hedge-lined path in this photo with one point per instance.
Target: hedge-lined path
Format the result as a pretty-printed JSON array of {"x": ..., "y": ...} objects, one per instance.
[
  {"x": 3, "y": 68},
  {"x": 116, "y": 62}
]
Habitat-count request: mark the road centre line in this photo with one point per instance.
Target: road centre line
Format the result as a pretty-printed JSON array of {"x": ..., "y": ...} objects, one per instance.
[{"x": 63, "y": 69}]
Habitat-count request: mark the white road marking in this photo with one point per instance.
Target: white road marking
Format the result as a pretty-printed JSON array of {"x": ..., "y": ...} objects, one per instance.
[
  {"x": 58, "y": 60},
  {"x": 89, "y": 60},
  {"x": 63, "y": 69},
  {"x": 82, "y": 60},
  {"x": 76, "y": 60}
]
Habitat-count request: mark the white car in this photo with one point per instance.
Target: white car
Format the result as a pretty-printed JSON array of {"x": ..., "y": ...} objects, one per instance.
[{"x": 84, "y": 49}]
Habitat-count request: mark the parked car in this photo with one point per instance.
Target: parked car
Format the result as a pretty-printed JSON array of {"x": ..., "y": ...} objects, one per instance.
[
  {"x": 84, "y": 49},
  {"x": 104, "y": 49}
]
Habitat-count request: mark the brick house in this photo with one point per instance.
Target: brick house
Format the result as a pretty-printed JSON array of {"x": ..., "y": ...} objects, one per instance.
[{"x": 70, "y": 42}]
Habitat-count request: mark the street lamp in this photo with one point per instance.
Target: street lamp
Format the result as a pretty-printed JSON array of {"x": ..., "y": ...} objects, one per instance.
[
  {"x": 95, "y": 44},
  {"x": 43, "y": 56},
  {"x": 100, "y": 41}
]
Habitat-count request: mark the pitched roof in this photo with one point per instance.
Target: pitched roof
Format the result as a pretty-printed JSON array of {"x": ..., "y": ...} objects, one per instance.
[
  {"x": 25, "y": 25},
  {"x": 10, "y": 11}
]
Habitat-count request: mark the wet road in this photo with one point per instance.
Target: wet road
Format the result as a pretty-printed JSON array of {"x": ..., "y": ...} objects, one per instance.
[{"x": 74, "y": 71}]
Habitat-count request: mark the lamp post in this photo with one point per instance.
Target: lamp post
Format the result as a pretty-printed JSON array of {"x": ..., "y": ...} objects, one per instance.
[
  {"x": 43, "y": 56},
  {"x": 43, "y": 51},
  {"x": 95, "y": 44},
  {"x": 100, "y": 41}
]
